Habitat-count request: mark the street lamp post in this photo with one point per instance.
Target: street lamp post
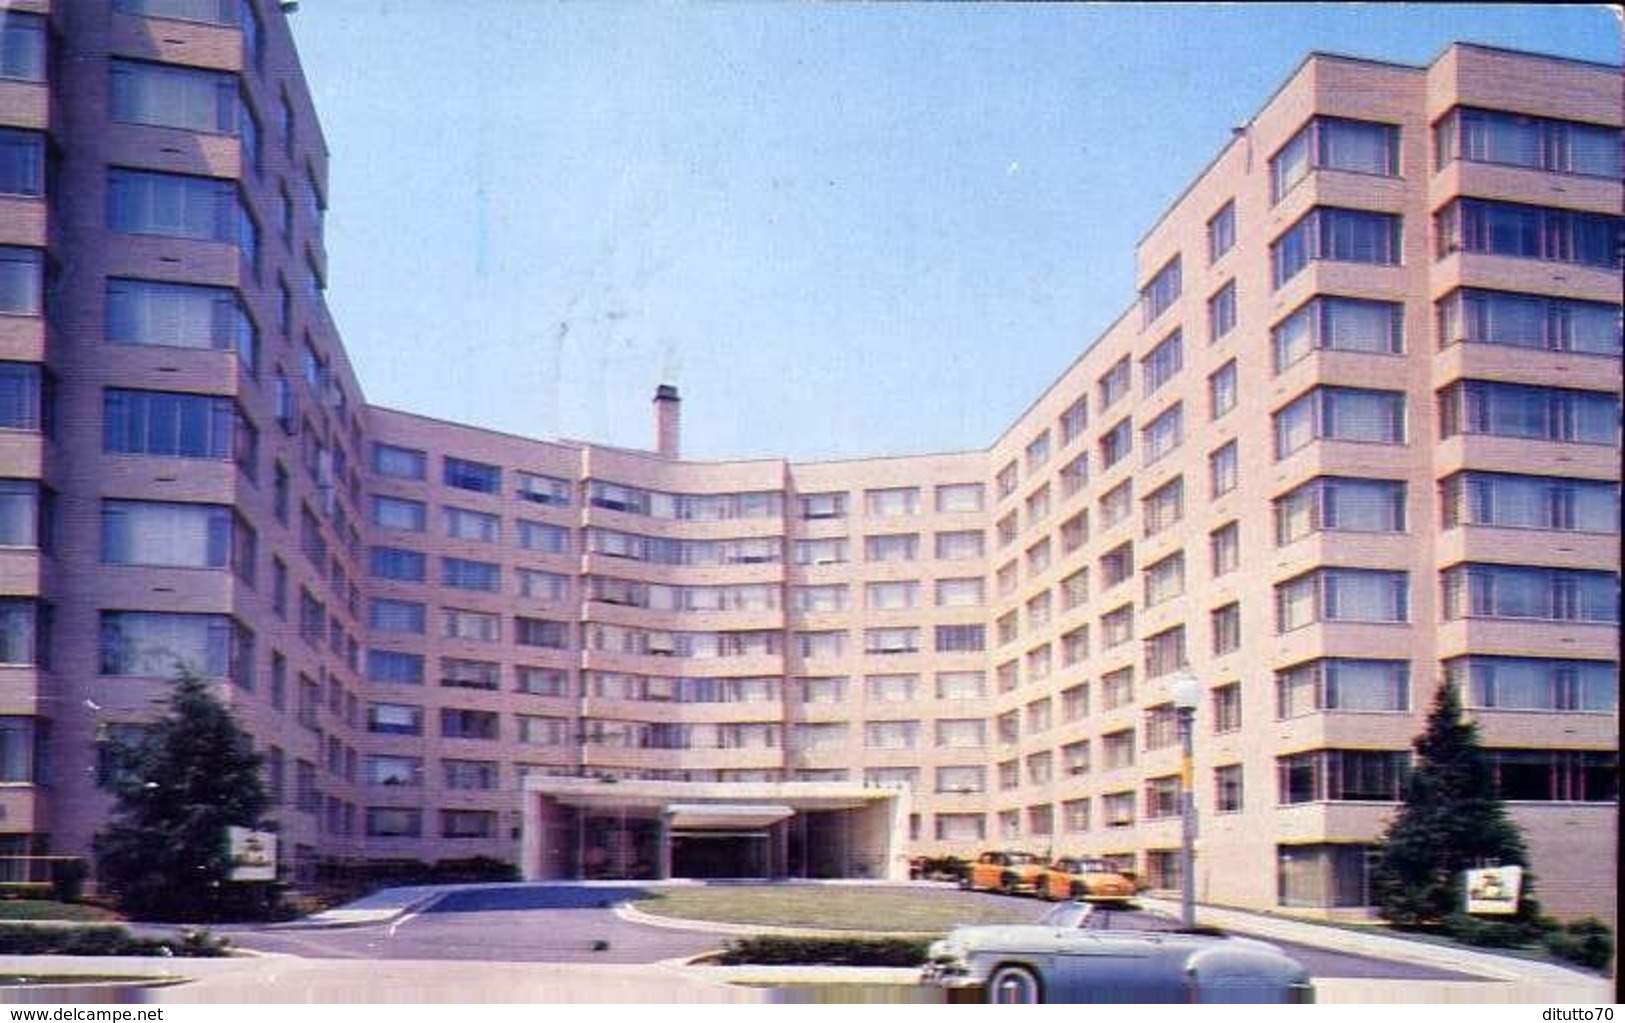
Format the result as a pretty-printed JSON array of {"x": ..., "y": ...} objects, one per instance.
[{"x": 1186, "y": 690}]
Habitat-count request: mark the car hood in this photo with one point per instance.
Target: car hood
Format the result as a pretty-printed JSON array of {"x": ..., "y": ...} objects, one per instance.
[{"x": 1037, "y": 937}]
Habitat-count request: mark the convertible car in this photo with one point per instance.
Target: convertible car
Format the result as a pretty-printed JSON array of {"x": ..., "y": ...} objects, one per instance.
[{"x": 1061, "y": 959}]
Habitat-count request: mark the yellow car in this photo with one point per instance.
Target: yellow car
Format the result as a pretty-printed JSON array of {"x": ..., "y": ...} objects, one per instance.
[
  {"x": 1006, "y": 871},
  {"x": 1086, "y": 878}
]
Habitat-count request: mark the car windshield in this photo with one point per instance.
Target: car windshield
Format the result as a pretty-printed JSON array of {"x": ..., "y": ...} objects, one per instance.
[
  {"x": 1019, "y": 858},
  {"x": 1094, "y": 867},
  {"x": 1067, "y": 916}
]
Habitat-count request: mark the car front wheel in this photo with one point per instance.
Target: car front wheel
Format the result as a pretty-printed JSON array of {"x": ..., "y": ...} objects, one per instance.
[{"x": 1014, "y": 985}]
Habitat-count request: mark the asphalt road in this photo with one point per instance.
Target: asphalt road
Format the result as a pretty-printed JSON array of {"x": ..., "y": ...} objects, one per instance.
[{"x": 568, "y": 924}]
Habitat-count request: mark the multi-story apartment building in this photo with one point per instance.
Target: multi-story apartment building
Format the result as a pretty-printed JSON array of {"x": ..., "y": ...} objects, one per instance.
[{"x": 1359, "y": 436}]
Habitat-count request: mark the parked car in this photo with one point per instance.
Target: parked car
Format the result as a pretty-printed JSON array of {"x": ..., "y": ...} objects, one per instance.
[
  {"x": 1088, "y": 878},
  {"x": 1006, "y": 871},
  {"x": 1060, "y": 959}
]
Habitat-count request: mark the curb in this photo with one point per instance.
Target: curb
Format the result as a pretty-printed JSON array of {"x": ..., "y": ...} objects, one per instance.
[{"x": 629, "y": 913}]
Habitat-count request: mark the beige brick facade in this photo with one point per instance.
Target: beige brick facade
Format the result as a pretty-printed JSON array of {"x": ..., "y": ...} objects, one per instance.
[{"x": 1310, "y": 486}]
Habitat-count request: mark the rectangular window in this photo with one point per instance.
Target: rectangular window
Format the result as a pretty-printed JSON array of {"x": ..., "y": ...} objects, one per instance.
[
  {"x": 1163, "y": 434},
  {"x": 1225, "y": 625},
  {"x": 1335, "y": 143},
  {"x": 463, "y": 673},
  {"x": 961, "y": 685},
  {"x": 884, "y": 547},
  {"x": 1221, "y": 312},
  {"x": 1074, "y": 421},
  {"x": 541, "y": 681},
  {"x": 548, "y": 490},
  {"x": 467, "y": 524},
  {"x": 1113, "y": 385},
  {"x": 959, "y": 497},
  {"x": 404, "y": 616},
  {"x": 22, "y": 162},
  {"x": 1338, "y": 235},
  {"x": 22, "y": 46},
  {"x": 959, "y": 592},
  {"x": 461, "y": 723},
  {"x": 395, "y": 667},
  {"x": 170, "y": 96},
  {"x": 823, "y": 506},
  {"x": 476, "y": 476},
  {"x": 1474, "y": 590},
  {"x": 960, "y": 545},
  {"x": 1164, "y": 507},
  {"x": 892, "y": 501},
  {"x": 397, "y": 563},
  {"x": 1165, "y": 652},
  {"x": 398, "y": 462},
  {"x": 1331, "y": 323},
  {"x": 1221, "y": 232},
  {"x": 1116, "y": 443},
  {"x": 1535, "y": 684},
  {"x": 170, "y": 535},
  {"x": 1165, "y": 580},
  {"x": 1116, "y": 565},
  {"x": 1342, "y": 595},
  {"x": 25, "y": 626},
  {"x": 1224, "y": 470},
  {"x": 1555, "y": 776},
  {"x": 1227, "y": 708},
  {"x": 22, "y": 281},
  {"x": 25, "y": 514},
  {"x": 1497, "y": 409},
  {"x": 1342, "y": 684},
  {"x": 960, "y": 638},
  {"x": 1341, "y": 775},
  {"x": 173, "y": 425},
  {"x": 1515, "y": 320},
  {"x": 152, "y": 644},
  {"x": 1510, "y": 501},
  {"x": 1224, "y": 545},
  {"x": 1341, "y": 414},
  {"x": 399, "y": 513},
  {"x": 463, "y": 574},
  {"x": 1117, "y": 627},
  {"x": 179, "y": 206},
  {"x": 541, "y": 632},
  {"x": 1227, "y": 789},
  {"x": 180, "y": 316},
  {"x": 1161, "y": 364},
  {"x": 1161, "y": 291},
  {"x": 1517, "y": 140},
  {"x": 1530, "y": 232},
  {"x": 1340, "y": 503}
]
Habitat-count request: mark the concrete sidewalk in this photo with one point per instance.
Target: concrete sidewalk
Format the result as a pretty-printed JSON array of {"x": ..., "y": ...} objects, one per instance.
[{"x": 1515, "y": 979}]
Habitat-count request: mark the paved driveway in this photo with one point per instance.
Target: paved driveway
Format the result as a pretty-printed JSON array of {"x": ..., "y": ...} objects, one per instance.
[{"x": 563, "y": 923}]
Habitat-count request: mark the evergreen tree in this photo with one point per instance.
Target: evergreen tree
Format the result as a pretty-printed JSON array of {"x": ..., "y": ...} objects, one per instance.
[
  {"x": 164, "y": 853},
  {"x": 1451, "y": 821}
]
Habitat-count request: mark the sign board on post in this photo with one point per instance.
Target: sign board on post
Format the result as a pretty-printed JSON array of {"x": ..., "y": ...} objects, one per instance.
[
  {"x": 253, "y": 854},
  {"x": 1494, "y": 890}
]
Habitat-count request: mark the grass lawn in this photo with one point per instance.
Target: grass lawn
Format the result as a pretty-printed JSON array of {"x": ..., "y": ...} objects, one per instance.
[
  {"x": 858, "y": 909},
  {"x": 44, "y": 909}
]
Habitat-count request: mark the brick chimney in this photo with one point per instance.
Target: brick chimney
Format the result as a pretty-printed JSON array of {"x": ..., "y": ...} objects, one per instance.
[{"x": 668, "y": 419}]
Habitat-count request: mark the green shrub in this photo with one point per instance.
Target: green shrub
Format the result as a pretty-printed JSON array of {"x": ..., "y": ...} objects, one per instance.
[
  {"x": 68, "y": 880},
  {"x": 1472, "y": 930},
  {"x": 102, "y": 940},
  {"x": 1587, "y": 942},
  {"x": 784, "y": 950}
]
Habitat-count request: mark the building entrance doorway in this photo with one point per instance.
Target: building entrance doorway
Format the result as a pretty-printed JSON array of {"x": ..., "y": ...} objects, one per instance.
[{"x": 719, "y": 854}]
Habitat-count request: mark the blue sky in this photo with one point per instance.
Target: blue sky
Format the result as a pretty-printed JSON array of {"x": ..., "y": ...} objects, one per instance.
[{"x": 842, "y": 230}]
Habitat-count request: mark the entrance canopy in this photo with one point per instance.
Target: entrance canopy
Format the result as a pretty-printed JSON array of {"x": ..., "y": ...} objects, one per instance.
[
  {"x": 724, "y": 816},
  {"x": 576, "y": 827}
]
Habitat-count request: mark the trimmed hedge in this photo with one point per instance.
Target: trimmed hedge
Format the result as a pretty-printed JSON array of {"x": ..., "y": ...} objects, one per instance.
[
  {"x": 1586, "y": 942},
  {"x": 103, "y": 940},
  {"x": 785, "y": 950}
]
